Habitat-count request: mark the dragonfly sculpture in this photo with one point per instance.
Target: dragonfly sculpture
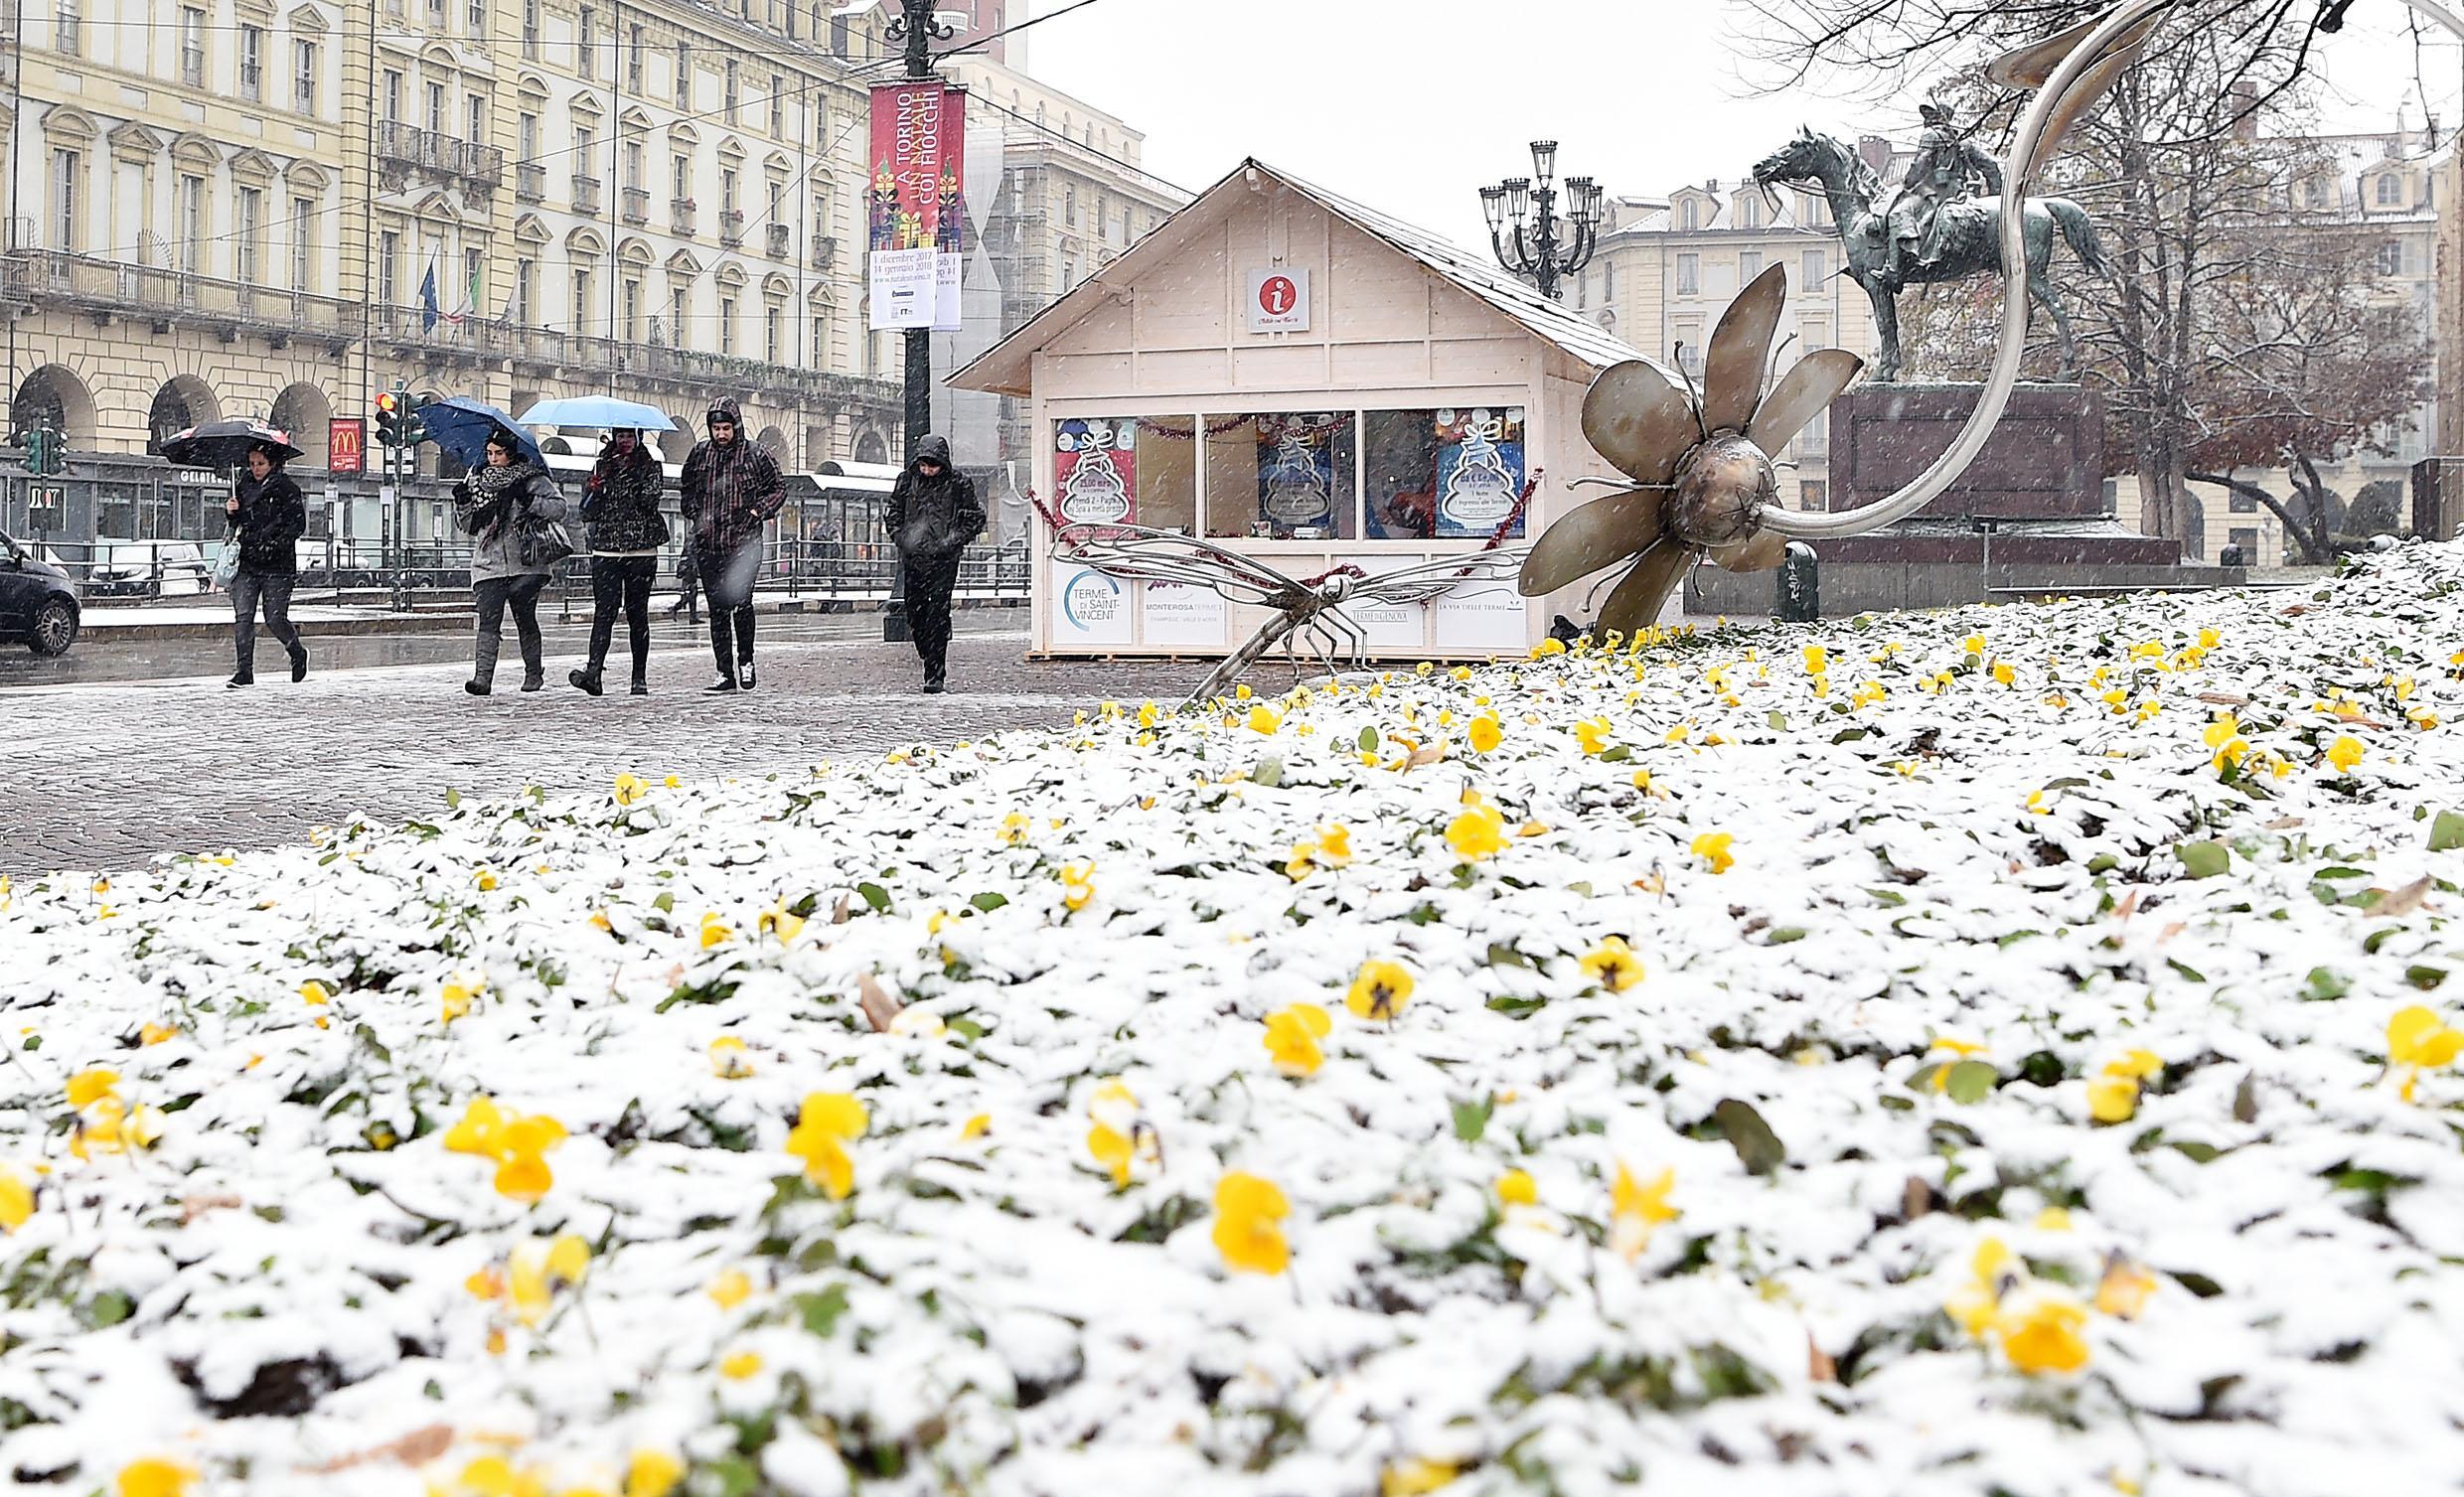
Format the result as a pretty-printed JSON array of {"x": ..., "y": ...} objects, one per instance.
[{"x": 1312, "y": 610}]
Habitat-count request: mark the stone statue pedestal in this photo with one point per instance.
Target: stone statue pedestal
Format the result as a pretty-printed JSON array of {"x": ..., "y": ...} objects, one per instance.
[{"x": 2045, "y": 461}]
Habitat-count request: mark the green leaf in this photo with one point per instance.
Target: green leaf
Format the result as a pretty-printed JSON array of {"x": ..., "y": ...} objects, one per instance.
[
  {"x": 874, "y": 896},
  {"x": 1368, "y": 740},
  {"x": 1778, "y": 721},
  {"x": 110, "y": 1307},
  {"x": 1502, "y": 954},
  {"x": 1786, "y": 935},
  {"x": 2190, "y": 972},
  {"x": 962, "y": 1025},
  {"x": 1970, "y": 1081},
  {"x": 1757, "y": 1148},
  {"x": 2324, "y": 984},
  {"x": 988, "y": 901},
  {"x": 2447, "y": 832},
  {"x": 2203, "y": 859},
  {"x": 453, "y": 799},
  {"x": 664, "y": 903},
  {"x": 1616, "y": 755},
  {"x": 2425, "y": 977},
  {"x": 1269, "y": 772},
  {"x": 1472, "y": 1119},
  {"x": 1921, "y": 1079},
  {"x": 821, "y": 1312}
]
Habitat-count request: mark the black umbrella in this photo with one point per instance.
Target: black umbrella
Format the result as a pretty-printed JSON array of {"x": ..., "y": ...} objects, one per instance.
[{"x": 223, "y": 445}]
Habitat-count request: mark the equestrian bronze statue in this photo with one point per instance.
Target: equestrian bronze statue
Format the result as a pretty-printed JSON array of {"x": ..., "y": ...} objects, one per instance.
[{"x": 1932, "y": 229}]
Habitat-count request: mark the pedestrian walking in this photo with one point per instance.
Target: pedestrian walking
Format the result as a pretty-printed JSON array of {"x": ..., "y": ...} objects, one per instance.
[
  {"x": 267, "y": 515},
  {"x": 503, "y": 505},
  {"x": 933, "y": 515},
  {"x": 687, "y": 587},
  {"x": 621, "y": 507},
  {"x": 732, "y": 488}
]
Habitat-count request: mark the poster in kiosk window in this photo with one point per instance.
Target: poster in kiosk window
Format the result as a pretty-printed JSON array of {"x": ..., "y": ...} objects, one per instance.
[
  {"x": 917, "y": 167},
  {"x": 1479, "y": 470},
  {"x": 1095, "y": 471},
  {"x": 1295, "y": 471}
]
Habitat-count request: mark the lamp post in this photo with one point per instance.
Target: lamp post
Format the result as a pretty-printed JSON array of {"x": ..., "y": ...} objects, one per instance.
[
  {"x": 915, "y": 27},
  {"x": 1525, "y": 231}
]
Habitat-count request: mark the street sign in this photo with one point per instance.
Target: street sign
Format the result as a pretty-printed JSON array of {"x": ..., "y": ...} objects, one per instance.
[
  {"x": 346, "y": 445},
  {"x": 1278, "y": 300},
  {"x": 49, "y": 500}
]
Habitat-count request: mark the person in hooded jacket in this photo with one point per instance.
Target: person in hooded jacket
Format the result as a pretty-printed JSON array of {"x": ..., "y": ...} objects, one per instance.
[
  {"x": 268, "y": 515},
  {"x": 490, "y": 503},
  {"x": 933, "y": 515},
  {"x": 731, "y": 490},
  {"x": 621, "y": 507}
]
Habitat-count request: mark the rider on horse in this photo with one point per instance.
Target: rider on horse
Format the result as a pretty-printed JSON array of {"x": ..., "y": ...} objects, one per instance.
[{"x": 1948, "y": 168}]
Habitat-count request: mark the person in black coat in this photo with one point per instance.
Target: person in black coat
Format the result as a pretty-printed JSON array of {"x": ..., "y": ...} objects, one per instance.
[
  {"x": 267, "y": 516},
  {"x": 932, "y": 517},
  {"x": 621, "y": 507}
]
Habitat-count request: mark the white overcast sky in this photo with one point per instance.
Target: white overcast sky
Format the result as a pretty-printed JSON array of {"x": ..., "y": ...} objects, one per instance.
[{"x": 1410, "y": 105}]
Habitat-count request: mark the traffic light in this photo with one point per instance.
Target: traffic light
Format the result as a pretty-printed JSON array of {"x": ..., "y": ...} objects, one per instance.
[
  {"x": 46, "y": 450},
  {"x": 393, "y": 415},
  {"x": 414, "y": 430}
]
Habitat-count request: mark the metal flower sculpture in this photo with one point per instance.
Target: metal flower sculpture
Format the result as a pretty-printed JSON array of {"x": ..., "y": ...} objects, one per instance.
[
  {"x": 1312, "y": 609},
  {"x": 1702, "y": 468}
]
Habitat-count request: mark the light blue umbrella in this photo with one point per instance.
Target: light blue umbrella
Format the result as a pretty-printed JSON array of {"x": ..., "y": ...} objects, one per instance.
[
  {"x": 597, "y": 412},
  {"x": 461, "y": 425}
]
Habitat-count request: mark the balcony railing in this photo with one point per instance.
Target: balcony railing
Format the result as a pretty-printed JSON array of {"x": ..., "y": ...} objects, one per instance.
[
  {"x": 585, "y": 194},
  {"x": 825, "y": 251},
  {"x": 781, "y": 236},
  {"x": 408, "y": 148},
  {"x": 636, "y": 205},
  {"x": 731, "y": 227},
  {"x": 531, "y": 182},
  {"x": 681, "y": 217},
  {"x": 117, "y": 287},
  {"x": 653, "y": 364}
]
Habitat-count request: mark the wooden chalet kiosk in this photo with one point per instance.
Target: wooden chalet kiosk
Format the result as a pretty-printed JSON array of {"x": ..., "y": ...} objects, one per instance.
[{"x": 1309, "y": 383}]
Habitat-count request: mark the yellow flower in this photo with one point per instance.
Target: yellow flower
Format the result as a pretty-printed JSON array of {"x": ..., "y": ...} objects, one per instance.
[
  {"x": 1263, "y": 719},
  {"x": 1113, "y": 1140},
  {"x": 1817, "y": 660},
  {"x": 1485, "y": 732},
  {"x": 730, "y": 1289},
  {"x": 144, "y": 1125},
  {"x": 1379, "y": 991},
  {"x": 1334, "y": 846},
  {"x": 16, "y": 1198},
  {"x": 654, "y": 1473},
  {"x": 2345, "y": 752},
  {"x": 1637, "y": 1208},
  {"x": 537, "y": 1269},
  {"x": 1147, "y": 715},
  {"x": 819, "y": 1138},
  {"x": 741, "y": 1366},
  {"x": 670, "y": 781},
  {"x": 1976, "y": 1304},
  {"x": 2416, "y": 1037},
  {"x": 728, "y": 1060},
  {"x": 1592, "y": 735},
  {"x": 1247, "y": 1210},
  {"x": 1477, "y": 834},
  {"x": 455, "y": 999},
  {"x": 517, "y": 1144},
  {"x": 781, "y": 922},
  {"x": 1517, "y": 1188},
  {"x": 154, "y": 1477},
  {"x": 2112, "y": 1098},
  {"x": 1077, "y": 885},
  {"x": 1548, "y": 647},
  {"x": 2123, "y": 1292},
  {"x": 91, "y": 1086},
  {"x": 1975, "y": 644},
  {"x": 630, "y": 787},
  {"x": 1014, "y": 829},
  {"x": 1291, "y": 1035},
  {"x": 2001, "y": 672},
  {"x": 1414, "y": 1477},
  {"x": 485, "y": 879},
  {"x": 2044, "y": 1335},
  {"x": 2138, "y": 1065},
  {"x": 1612, "y": 965},
  {"x": 2209, "y": 639},
  {"x": 315, "y": 992},
  {"x": 155, "y": 1034},
  {"x": 1713, "y": 847},
  {"x": 715, "y": 931}
]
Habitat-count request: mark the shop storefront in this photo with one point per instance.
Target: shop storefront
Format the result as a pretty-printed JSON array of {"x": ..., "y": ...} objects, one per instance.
[{"x": 1308, "y": 383}]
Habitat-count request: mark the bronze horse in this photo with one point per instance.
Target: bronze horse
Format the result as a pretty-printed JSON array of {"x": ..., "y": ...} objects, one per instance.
[{"x": 1969, "y": 233}]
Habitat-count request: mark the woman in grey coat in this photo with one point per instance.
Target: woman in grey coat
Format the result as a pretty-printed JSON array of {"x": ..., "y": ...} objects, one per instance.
[{"x": 490, "y": 503}]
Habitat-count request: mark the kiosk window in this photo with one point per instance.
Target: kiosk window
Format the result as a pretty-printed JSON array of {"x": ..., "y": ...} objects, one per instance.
[
  {"x": 1283, "y": 476},
  {"x": 1452, "y": 473}
]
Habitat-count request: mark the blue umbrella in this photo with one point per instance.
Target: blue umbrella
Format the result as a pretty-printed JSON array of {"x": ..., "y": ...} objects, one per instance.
[
  {"x": 462, "y": 426},
  {"x": 597, "y": 411}
]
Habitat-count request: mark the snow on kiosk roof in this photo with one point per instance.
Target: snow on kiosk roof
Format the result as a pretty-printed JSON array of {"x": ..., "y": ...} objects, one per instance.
[{"x": 1313, "y": 384}]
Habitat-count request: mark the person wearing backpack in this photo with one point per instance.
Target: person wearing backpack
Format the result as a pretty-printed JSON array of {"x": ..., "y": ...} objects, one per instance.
[{"x": 496, "y": 504}]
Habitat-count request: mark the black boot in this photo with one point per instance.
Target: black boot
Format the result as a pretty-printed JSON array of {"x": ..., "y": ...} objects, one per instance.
[
  {"x": 299, "y": 663},
  {"x": 640, "y": 687},
  {"x": 534, "y": 677},
  {"x": 586, "y": 679},
  {"x": 242, "y": 677},
  {"x": 476, "y": 686}
]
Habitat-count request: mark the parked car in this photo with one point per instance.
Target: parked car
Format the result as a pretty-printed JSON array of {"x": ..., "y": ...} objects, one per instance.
[
  {"x": 38, "y": 603},
  {"x": 149, "y": 569}
]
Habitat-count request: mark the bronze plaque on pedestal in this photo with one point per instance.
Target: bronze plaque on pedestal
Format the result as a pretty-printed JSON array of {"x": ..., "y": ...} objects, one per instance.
[{"x": 2045, "y": 460}]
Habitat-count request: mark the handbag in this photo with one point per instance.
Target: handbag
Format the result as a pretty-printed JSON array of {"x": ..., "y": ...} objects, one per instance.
[
  {"x": 540, "y": 543},
  {"x": 227, "y": 565}
]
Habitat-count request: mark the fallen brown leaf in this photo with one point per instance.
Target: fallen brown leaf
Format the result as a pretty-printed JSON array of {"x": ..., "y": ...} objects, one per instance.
[
  {"x": 838, "y": 916},
  {"x": 2130, "y": 904},
  {"x": 2224, "y": 699},
  {"x": 193, "y": 1207},
  {"x": 2284, "y": 824},
  {"x": 1426, "y": 754},
  {"x": 1818, "y": 1364},
  {"x": 2171, "y": 930},
  {"x": 417, "y": 1449},
  {"x": 2404, "y": 901},
  {"x": 879, "y": 1007}
]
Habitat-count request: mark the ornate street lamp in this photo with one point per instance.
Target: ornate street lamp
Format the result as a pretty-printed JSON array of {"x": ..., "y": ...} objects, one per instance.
[{"x": 1525, "y": 231}]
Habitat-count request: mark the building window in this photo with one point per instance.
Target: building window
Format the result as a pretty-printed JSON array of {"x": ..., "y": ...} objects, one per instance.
[
  {"x": 633, "y": 311},
  {"x": 683, "y": 177},
  {"x": 838, "y": 36},
  {"x": 392, "y": 97},
  {"x": 192, "y": 46},
  {"x": 1693, "y": 214},
  {"x": 436, "y": 109},
  {"x": 1069, "y": 207},
  {"x": 727, "y": 191},
  {"x": 728, "y": 99},
  {"x": 388, "y": 285},
  {"x": 675, "y": 315},
  {"x": 251, "y": 63},
  {"x": 1749, "y": 265},
  {"x": 531, "y": 30},
  {"x": 2391, "y": 257},
  {"x": 727, "y": 325},
  {"x": 304, "y": 82},
  {"x": 1446, "y": 473},
  {"x": 1689, "y": 274},
  {"x": 635, "y": 46},
  {"x": 2391, "y": 190},
  {"x": 2245, "y": 539},
  {"x": 2239, "y": 502},
  {"x": 303, "y": 243},
  {"x": 525, "y": 272},
  {"x": 246, "y": 213},
  {"x": 683, "y": 76},
  {"x": 777, "y": 107},
  {"x": 633, "y": 174},
  {"x": 1270, "y": 475},
  {"x": 586, "y": 44},
  {"x": 772, "y": 321},
  {"x": 1813, "y": 494},
  {"x": 1814, "y": 271},
  {"x": 475, "y": 14},
  {"x": 1608, "y": 281},
  {"x": 192, "y": 223},
  {"x": 1749, "y": 213},
  {"x": 67, "y": 167},
  {"x": 1690, "y": 347},
  {"x": 473, "y": 265},
  {"x": 65, "y": 21},
  {"x": 581, "y": 301},
  {"x": 526, "y": 139},
  {"x": 475, "y": 115}
]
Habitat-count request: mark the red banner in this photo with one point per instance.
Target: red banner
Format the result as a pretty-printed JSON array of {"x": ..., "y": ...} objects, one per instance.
[
  {"x": 346, "y": 445},
  {"x": 910, "y": 151}
]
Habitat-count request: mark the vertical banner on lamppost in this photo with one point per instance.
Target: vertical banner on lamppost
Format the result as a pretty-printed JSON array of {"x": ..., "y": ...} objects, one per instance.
[
  {"x": 950, "y": 225},
  {"x": 911, "y": 157}
]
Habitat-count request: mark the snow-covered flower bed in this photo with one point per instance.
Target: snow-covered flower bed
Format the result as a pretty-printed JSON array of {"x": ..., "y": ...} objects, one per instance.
[{"x": 2000, "y": 1051}]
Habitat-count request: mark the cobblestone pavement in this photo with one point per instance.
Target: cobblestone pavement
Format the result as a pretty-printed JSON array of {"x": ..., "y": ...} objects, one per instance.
[{"x": 103, "y": 776}]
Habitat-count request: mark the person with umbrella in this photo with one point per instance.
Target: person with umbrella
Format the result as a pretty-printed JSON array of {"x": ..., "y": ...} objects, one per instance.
[
  {"x": 621, "y": 508},
  {"x": 732, "y": 488},
  {"x": 502, "y": 504},
  {"x": 267, "y": 515}
]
